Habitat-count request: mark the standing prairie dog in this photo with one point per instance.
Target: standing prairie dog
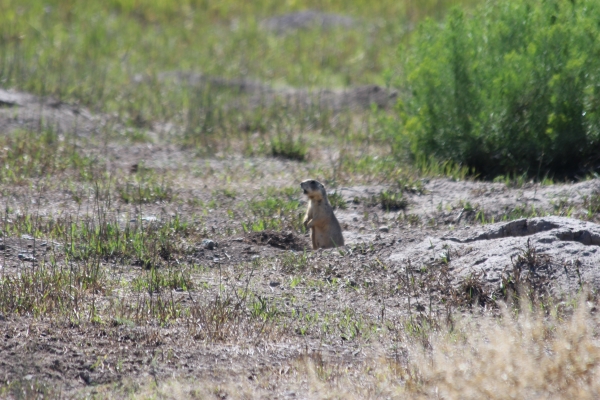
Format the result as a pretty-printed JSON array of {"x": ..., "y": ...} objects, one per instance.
[{"x": 325, "y": 230}]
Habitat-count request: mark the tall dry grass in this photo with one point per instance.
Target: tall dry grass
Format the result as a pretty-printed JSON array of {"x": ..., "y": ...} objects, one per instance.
[{"x": 524, "y": 355}]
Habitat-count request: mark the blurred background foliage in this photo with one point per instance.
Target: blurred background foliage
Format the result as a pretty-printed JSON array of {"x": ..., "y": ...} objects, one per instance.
[{"x": 500, "y": 87}]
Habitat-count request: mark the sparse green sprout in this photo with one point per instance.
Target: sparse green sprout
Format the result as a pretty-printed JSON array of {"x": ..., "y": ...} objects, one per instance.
[
  {"x": 392, "y": 201},
  {"x": 273, "y": 213},
  {"x": 337, "y": 201},
  {"x": 26, "y": 154},
  {"x": 146, "y": 187},
  {"x": 592, "y": 204}
]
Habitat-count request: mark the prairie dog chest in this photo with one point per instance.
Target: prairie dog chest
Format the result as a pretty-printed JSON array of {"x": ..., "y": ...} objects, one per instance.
[{"x": 318, "y": 209}]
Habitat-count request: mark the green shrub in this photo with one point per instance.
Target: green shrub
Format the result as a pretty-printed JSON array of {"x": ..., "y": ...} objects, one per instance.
[{"x": 513, "y": 88}]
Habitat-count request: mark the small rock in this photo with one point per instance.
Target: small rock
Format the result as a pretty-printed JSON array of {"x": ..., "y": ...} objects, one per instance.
[
  {"x": 237, "y": 239},
  {"x": 26, "y": 257},
  {"x": 254, "y": 258},
  {"x": 274, "y": 284},
  {"x": 86, "y": 377},
  {"x": 28, "y": 377},
  {"x": 209, "y": 244},
  {"x": 27, "y": 237},
  {"x": 384, "y": 229},
  {"x": 592, "y": 307}
]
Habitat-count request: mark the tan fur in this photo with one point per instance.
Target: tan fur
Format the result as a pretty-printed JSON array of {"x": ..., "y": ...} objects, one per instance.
[{"x": 325, "y": 230}]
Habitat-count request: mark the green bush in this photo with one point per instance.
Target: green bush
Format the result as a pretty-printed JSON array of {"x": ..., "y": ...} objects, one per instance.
[{"x": 512, "y": 88}]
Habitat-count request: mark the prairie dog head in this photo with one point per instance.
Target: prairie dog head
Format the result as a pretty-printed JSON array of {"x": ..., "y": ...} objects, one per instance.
[{"x": 314, "y": 189}]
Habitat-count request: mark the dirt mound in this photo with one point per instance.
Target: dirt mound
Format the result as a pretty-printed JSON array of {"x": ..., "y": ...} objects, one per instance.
[
  {"x": 565, "y": 252},
  {"x": 307, "y": 19},
  {"x": 20, "y": 110},
  {"x": 262, "y": 94},
  {"x": 281, "y": 240}
]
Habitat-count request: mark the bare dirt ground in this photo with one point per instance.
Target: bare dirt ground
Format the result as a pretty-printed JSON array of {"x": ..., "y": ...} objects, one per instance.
[{"x": 329, "y": 306}]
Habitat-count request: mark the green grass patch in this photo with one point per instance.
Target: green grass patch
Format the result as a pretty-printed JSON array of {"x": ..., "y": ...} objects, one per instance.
[
  {"x": 274, "y": 213},
  {"x": 337, "y": 201},
  {"x": 146, "y": 187},
  {"x": 289, "y": 148},
  {"x": 26, "y": 154},
  {"x": 391, "y": 200},
  {"x": 109, "y": 55}
]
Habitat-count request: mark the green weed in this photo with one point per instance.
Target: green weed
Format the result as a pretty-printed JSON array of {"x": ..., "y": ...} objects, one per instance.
[
  {"x": 289, "y": 148},
  {"x": 337, "y": 201},
  {"x": 592, "y": 204},
  {"x": 146, "y": 188},
  {"x": 391, "y": 201},
  {"x": 273, "y": 213}
]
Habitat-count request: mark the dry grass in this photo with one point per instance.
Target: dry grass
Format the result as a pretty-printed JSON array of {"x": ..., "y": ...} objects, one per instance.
[{"x": 525, "y": 356}]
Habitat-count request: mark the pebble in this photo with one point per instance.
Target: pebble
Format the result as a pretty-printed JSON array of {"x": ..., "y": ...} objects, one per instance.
[
  {"x": 26, "y": 257},
  {"x": 384, "y": 229},
  {"x": 209, "y": 244}
]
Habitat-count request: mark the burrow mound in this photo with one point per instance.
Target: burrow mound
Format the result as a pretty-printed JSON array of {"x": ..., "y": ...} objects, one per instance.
[
  {"x": 262, "y": 94},
  {"x": 20, "y": 110},
  {"x": 307, "y": 19},
  {"x": 565, "y": 252},
  {"x": 281, "y": 240}
]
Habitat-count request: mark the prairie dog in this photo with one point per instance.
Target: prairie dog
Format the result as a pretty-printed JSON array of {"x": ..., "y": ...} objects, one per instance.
[{"x": 325, "y": 230}]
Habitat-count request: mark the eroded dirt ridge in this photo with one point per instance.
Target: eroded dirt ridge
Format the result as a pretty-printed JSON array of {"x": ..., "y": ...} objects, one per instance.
[
  {"x": 20, "y": 110},
  {"x": 571, "y": 247}
]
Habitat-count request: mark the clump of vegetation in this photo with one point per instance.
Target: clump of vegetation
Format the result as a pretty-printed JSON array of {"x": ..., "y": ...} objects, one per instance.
[
  {"x": 337, "y": 201},
  {"x": 510, "y": 89},
  {"x": 391, "y": 200},
  {"x": 592, "y": 204},
  {"x": 146, "y": 187},
  {"x": 34, "y": 154},
  {"x": 527, "y": 277},
  {"x": 289, "y": 148},
  {"x": 273, "y": 213}
]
